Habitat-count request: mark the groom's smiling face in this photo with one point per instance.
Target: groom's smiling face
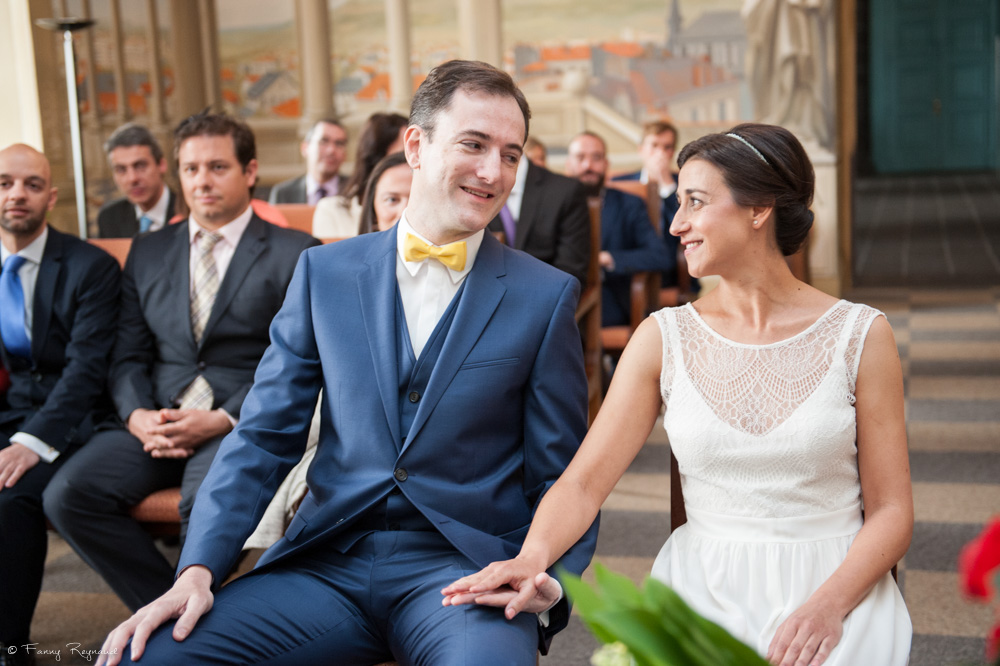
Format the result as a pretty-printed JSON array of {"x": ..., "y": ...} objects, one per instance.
[{"x": 465, "y": 168}]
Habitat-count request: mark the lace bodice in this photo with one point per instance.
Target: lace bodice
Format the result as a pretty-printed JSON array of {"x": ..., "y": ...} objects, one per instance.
[{"x": 764, "y": 430}]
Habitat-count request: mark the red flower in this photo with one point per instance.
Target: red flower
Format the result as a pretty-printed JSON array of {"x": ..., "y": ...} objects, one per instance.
[{"x": 979, "y": 557}]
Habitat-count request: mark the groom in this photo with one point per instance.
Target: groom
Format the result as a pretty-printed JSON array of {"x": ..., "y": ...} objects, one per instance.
[{"x": 454, "y": 395}]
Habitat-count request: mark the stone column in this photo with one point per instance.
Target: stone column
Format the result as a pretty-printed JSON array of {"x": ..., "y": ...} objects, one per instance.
[
  {"x": 480, "y": 30},
  {"x": 397, "y": 23},
  {"x": 314, "y": 61},
  {"x": 189, "y": 56},
  {"x": 118, "y": 63},
  {"x": 210, "y": 52},
  {"x": 156, "y": 111}
]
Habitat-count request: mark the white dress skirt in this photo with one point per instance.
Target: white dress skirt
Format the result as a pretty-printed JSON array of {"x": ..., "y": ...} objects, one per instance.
[{"x": 765, "y": 440}]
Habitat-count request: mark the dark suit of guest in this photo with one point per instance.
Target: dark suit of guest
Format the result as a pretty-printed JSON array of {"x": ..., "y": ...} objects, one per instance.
[
  {"x": 449, "y": 451},
  {"x": 117, "y": 219},
  {"x": 154, "y": 360},
  {"x": 294, "y": 191},
  {"x": 668, "y": 208},
  {"x": 634, "y": 246},
  {"x": 57, "y": 396},
  {"x": 554, "y": 222}
]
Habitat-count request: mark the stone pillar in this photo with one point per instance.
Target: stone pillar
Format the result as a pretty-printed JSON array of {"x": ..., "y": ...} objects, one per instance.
[
  {"x": 480, "y": 30},
  {"x": 210, "y": 52},
  {"x": 189, "y": 79},
  {"x": 397, "y": 23},
  {"x": 156, "y": 110},
  {"x": 122, "y": 113},
  {"x": 314, "y": 61}
]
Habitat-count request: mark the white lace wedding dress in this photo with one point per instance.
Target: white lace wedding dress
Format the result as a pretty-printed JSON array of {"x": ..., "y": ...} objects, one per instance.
[{"x": 764, "y": 436}]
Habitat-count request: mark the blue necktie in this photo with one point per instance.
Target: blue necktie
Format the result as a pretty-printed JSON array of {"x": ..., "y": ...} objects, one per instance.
[
  {"x": 145, "y": 222},
  {"x": 15, "y": 338}
]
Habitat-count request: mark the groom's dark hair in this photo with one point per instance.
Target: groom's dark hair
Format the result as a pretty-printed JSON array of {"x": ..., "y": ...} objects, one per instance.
[{"x": 437, "y": 90}]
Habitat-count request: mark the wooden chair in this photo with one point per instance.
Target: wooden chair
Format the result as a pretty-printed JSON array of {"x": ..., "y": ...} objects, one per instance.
[
  {"x": 299, "y": 216},
  {"x": 588, "y": 314},
  {"x": 116, "y": 247}
]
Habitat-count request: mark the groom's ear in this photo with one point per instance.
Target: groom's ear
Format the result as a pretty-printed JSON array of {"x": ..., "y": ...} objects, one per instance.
[{"x": 413, "y": 139}]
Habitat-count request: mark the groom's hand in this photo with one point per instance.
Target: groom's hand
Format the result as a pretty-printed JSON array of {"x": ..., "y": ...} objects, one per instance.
[{"x": 188, "y": 599}]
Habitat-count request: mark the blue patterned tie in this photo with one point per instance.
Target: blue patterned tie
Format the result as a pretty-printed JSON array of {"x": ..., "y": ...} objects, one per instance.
[
  {"x": 145, "y": 222},
  {"x": 15, "y": 337}
]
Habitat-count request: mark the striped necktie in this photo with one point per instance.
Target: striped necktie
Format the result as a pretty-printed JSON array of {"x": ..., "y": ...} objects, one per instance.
[{"x": 198, "y": 395}]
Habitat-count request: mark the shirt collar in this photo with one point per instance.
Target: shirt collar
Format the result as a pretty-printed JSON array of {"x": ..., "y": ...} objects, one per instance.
[
  {"x": 331, "y": 186},
  {"x": 521, "y": 177},
  {"x": 158, "y": 212},
  {"x": 33, "y": 252},
  {"x": 472, "y": 244},
  {"x": 231, "y": 232}
]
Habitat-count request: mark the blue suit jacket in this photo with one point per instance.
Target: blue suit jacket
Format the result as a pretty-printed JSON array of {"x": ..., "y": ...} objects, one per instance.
[
  {"x": 502, "y": 415},
  {"x": 668, "y": 208},
  {"x": 634, "y": 246}
]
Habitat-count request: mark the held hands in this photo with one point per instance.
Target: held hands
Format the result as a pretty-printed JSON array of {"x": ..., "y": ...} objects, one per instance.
[
  {"x": 515, "y": 585},
  {"x": 15, "y": 460},
  {"x": 176, "y": 433},
  {"x": 807, "y": 636},
  {"x": 189, "y": 599}
]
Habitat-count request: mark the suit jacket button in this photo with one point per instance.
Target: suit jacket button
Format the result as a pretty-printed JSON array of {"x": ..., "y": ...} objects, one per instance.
[
  {"x": 414, "y": 396},
  {"x": 38, "y": 377},
  {"x": 202, "y": 365},
  {"x": 400, "y": 474}
]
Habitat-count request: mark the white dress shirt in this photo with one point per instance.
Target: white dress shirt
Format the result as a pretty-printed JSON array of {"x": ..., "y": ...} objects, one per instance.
[
  {"x": 332, "y": 188},
  {"x": 516, "y": 195},
  {"x": 428, "y": 287},
  {"x": 224, "y": 250},
  {"x": 29, "y": 277},
  {"x": 158, "y": 213}
]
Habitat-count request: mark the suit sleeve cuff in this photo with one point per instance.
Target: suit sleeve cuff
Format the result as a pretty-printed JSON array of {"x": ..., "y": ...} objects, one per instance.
[
  {"x": 543, "y": 617},
  {"x": 44, "y": 451}
]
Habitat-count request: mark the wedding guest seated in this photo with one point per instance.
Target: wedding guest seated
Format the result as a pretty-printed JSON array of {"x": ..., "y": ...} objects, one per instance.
[
  {"x": 197, "y": 301},
  {"x": 784, "y": 408},
  {"x": 324, "y": 149},
  {"x": 629, "y": 243},
  {"x": 387, "y": 193},
  {"x": 340, "y": 216},
  {"x": 138, "y": 168},
  {"x": 58, "y": 306}
]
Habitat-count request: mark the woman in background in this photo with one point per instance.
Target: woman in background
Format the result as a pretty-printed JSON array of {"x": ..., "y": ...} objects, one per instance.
[
  {"x": 339, "y": 216},
  {"x": 784, "y": 408},
  {"x": 387, "y": 193}
]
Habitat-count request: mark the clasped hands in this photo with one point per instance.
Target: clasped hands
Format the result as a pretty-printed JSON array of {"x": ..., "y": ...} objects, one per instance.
[
  {"x": 517, "y": 585},
  {"x": 176, "y": 433}
]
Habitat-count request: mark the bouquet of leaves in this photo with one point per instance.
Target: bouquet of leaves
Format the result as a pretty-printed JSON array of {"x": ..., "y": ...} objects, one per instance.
[
  {"x": 652, "y": 626},
  {"x": 978, "y": 563}
]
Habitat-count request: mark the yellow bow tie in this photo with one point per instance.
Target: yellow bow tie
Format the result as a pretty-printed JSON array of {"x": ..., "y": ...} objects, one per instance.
[{"x": 451, "y": 255}]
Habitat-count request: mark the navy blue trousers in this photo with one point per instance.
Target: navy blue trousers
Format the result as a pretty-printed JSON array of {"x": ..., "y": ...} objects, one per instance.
[{"x": 379, "y": 601}]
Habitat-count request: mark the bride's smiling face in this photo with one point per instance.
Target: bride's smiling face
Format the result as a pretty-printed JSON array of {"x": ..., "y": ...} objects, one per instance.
[{"x": 713, "y": 229}]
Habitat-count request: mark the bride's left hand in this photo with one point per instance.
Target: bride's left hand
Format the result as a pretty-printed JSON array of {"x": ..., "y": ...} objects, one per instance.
[{"x": 807, "y": 637}]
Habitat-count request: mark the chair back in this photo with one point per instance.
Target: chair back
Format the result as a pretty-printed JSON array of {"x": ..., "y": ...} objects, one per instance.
[
  {"x": 116, "y": 247},
  {"x": 299, "y": 216}
]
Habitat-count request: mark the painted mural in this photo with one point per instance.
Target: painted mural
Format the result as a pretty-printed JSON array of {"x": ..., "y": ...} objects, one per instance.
[{"x": 646, "y": 58}]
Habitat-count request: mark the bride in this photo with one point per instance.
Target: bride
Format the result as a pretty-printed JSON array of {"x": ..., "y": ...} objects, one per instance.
[{"x": 784, "y": 408}]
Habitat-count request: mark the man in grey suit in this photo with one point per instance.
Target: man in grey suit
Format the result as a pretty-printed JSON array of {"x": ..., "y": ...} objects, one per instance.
[
  {"x": 324, "y": 149},
  {"x": 197, "y": 300},
  {"x": 138, "y": 167}
]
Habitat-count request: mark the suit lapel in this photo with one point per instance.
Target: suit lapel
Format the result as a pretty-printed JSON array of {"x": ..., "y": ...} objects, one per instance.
[
  {"x": 482, "y": 294},
  {"x": 177, "y": 268},
  {"x": 530, "y": 201},
  {"x": 377, "y": 293},
  {"x": 251, "y": 245},
  {"x": 45, "y": 289}
]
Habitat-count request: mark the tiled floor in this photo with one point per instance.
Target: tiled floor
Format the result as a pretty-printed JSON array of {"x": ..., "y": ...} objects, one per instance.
[
  {"x": 950, "y": 350},
  {"x": 931, "y": 231}
]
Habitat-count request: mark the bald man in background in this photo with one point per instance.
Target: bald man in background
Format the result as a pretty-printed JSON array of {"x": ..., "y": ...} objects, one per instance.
[{"x": 58, "y": 305}]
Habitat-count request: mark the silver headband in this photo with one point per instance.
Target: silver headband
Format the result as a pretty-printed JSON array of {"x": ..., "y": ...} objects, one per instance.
[{"x": 750, "y": 146}]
